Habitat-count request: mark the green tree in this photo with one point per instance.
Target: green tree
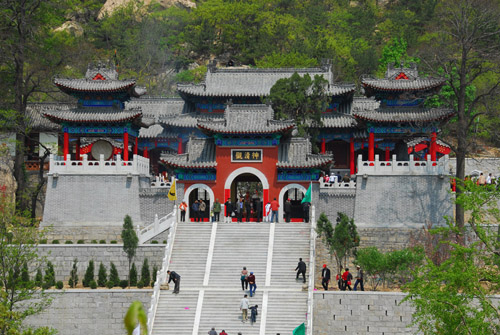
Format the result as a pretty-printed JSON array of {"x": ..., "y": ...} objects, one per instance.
[
  {"x": 113, "y": 275},
  {"x": 130, "y": 240},
  {"x": 395, "y": 52},
  {"x": 132, "y": 281},
  {"x": 145, "y": 274},
  {"x": 49, "y": 279},
  {"x": 341, "y": 240},
  {"x": 89, "y": 274},
  {"x": 153, "y": 277},
  {"x": 302, "y": 99},
  {"x": 20, "y": 297},
  {"x": 464, "y": 45},
  {"x": 73, "y": 275},
  {"x": 102, "y": 276},
  {"x": 454, "y": 296}
]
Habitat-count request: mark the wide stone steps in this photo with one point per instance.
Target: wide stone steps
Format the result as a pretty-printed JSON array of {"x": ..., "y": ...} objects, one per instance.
[
  {"x": 221, "y": 309},
  {"x": 285, "y": 311},
  {"x": 175, "y": 313}
]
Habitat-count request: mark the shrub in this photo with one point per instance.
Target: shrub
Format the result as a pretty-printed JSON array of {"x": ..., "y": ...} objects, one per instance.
[
  {"x": 25, "y": 275},
  {"x": 140, "y": 284},
  {"x": 154, "y": 242},
  {"x": 89, "y": 274},
  {"x": 50, "y": 275},
  {"x": 133, "y": 275},
  {"x": 153, "y": 277},
  {"x": 113, "y": 242},
  {"x": 93, "y": 284},
  {"x": 93, "y": 241},
  {"x": 55, "y": 242},
  {"x": 123, "y": 283},
  {"x": 43, "y": 241},
  {"x": 102, "y": 241},
  {"x": 68, "y": 242},
  {"x": 59, "y": 285},
  {"x": 73, "y": 275},
  {"x": 113, "y": 275},
  {"x": 145, "y": 275},
  {"x": 39, "y": 278},
  {"x": 164, "y": 241},
  {"x": 110, "y": 284},
  {"x": 102, "y": 276},
  {"x": 80, "y": 242}
]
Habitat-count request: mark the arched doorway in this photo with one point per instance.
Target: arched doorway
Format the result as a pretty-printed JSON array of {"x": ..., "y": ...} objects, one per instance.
[
  {"x": 243, "y": 182},
  {"x": 199, "y": 192},
  {"x": 295, "y": 193}
]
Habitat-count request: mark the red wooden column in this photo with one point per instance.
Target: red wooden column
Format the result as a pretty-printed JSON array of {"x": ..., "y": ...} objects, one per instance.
[
  {"x": 179, "y": 146},
  {"x": 351, "y": 157},
  {"x": 78, "y": 149},
  {"x": 145, "y": 152},
  {"x": 125, "y": 146},
  {"x": 387, "y": 154},
  {"x": 371, "y": 147},
  {"x": 66, "y": 145},
  {"x": 433, "y": 147},
  {"x": 136, "y": 145},
  {"x": 323, "y": 145}
]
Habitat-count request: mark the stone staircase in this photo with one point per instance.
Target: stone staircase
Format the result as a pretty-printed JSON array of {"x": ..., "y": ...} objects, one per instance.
[{"x": 210, "y": 258}]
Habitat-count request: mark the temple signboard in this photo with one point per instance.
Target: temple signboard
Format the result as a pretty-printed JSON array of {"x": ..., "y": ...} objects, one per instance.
[{"x": 253, "y": 155}]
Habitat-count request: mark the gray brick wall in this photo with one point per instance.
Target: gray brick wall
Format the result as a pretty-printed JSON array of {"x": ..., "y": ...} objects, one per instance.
[
  {"x": 154, "y": 201},
  {"x": 92, "y": 199},
  {"x": 62, "y": 257},
  {"x": 332, "y": 201},
  {"x": 361, "y": 313},
  {"x": 84, "y": 312},
  {"x": 402, "y": 201}
]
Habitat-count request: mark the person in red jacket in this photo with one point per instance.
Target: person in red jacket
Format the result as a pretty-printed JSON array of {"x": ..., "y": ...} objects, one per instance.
[
  {"x": 346, "y": 279},
  {"x": 274, "y": 208}
]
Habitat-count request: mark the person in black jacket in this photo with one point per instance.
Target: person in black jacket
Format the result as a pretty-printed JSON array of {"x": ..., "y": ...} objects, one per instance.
[
  {"x": 288, "y": 210},
  {"x": 229, "y": 209},
  {"x": 248, "y": 209},
  {"x": 176, "y": 279},
  {"x": 302, "y": 269},
  {"x": 325, "y": 277}
]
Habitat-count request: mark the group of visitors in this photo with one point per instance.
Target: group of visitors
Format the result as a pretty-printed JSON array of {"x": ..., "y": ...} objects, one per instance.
[
  {"x": 334, "y": 178},
  {"x": 246, "y": 281},
  {"x": 486, "y": 180},
  {"x": 244, "y": 207},
  {"x": 344, "y": 279}
]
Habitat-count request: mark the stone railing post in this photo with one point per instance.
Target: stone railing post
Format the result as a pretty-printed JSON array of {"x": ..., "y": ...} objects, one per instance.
[{"x": 156, "y": 224}]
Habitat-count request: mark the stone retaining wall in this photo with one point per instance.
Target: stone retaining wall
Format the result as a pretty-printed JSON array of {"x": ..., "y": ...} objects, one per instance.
[
  {"x": 62, "y": 257},
  {"x": 362, "y": 313},
  {"x": 84, "y": 312}
]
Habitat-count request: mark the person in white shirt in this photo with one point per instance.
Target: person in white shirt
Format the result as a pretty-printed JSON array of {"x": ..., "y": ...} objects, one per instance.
[
  {"x": 244, "y": 304},
  {"x": 269, "y": 212},
  {"x": 488, "y": 179}
]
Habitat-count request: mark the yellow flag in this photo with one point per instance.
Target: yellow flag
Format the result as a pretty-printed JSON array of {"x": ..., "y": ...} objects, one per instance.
[{"x": 172, "y": 194}]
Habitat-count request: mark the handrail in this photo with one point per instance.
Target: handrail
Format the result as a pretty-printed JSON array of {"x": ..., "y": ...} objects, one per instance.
[
  {"x": 157, "y": 227},
  {"x": 161, "y": 276},
  {"x": 312, "y": 255}
]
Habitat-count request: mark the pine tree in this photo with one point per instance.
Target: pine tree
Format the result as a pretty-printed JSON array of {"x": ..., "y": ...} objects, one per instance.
[
  {"x": 102, "y": 276},
  {"x": 73, "y": 275},
  {"x": 50, "y": 276},
  {"x": 38, "y": 278},
  {"x": 132, "y": 276},
  {"x": 155, "y": 270},
  {"x": 145, "y": 275},
  {"x": 130, "y": 240},
  {"x": 89, "y": 274},
  {"x": 113, "y": 275},
  {"x": 25, "y": 275}
]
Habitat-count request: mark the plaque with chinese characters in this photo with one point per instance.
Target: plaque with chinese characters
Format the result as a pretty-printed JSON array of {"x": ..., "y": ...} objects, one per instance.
[{"x": 253, "y": 155}]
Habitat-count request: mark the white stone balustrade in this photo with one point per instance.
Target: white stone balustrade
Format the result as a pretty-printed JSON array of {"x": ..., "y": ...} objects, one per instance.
[
  {"x": 310, "y": 286},
  {"x": 139, "y": 165},
  {"x": 410, "y": 167},
  {"x": 157, "y": 227},
  {"x": 161, "y": 182},
  {"x": 342, "y": 185}
]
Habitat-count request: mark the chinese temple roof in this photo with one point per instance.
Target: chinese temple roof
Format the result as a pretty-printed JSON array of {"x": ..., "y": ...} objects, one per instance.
[
  {"x": 156, "y": 108},
  {"x": 100, "y": 78},
  {"x": 296, "y": 154},
  {"x": 337, "y": 120},
  {"x": 414, "y": 141},
  {"x": 200, "y": 155},
  {"x": 93, "y": 115},
  {"x": 157, "y": 131},
  {"x": 251, "y": 82},
  {"x": 404, "y": 114},
  {"x": 36, "y": 120},
  {"x": 400, "y": 79},
  {"x": 246, "y": 119}
]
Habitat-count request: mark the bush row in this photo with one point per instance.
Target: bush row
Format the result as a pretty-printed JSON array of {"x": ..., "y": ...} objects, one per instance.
[{"x": 45, "y": 241}]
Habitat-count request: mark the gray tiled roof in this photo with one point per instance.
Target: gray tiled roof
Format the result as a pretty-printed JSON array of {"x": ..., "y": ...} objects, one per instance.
[
  {"x": 404, "y": 114},
  {"x": 230, "y": 82},
  {"x": 364, "y": 104},
  {"x": 156, "y": 131},
  {"x": 414, "y": 141},
  {"x": 296, "y": 153},
  {"x": 157, "y": 108},
  {"x": 338, "y": 120},
  {"x": 94, "y": 85},
  {"x": 189, "y": 120},
  {"x": 37, "y": 121},
  {"x": 402, "y": 84},
  {"x": 246, "y": 119},
  {"x": 93, "y": 114},
  {"x": 200, "y": 154}
]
